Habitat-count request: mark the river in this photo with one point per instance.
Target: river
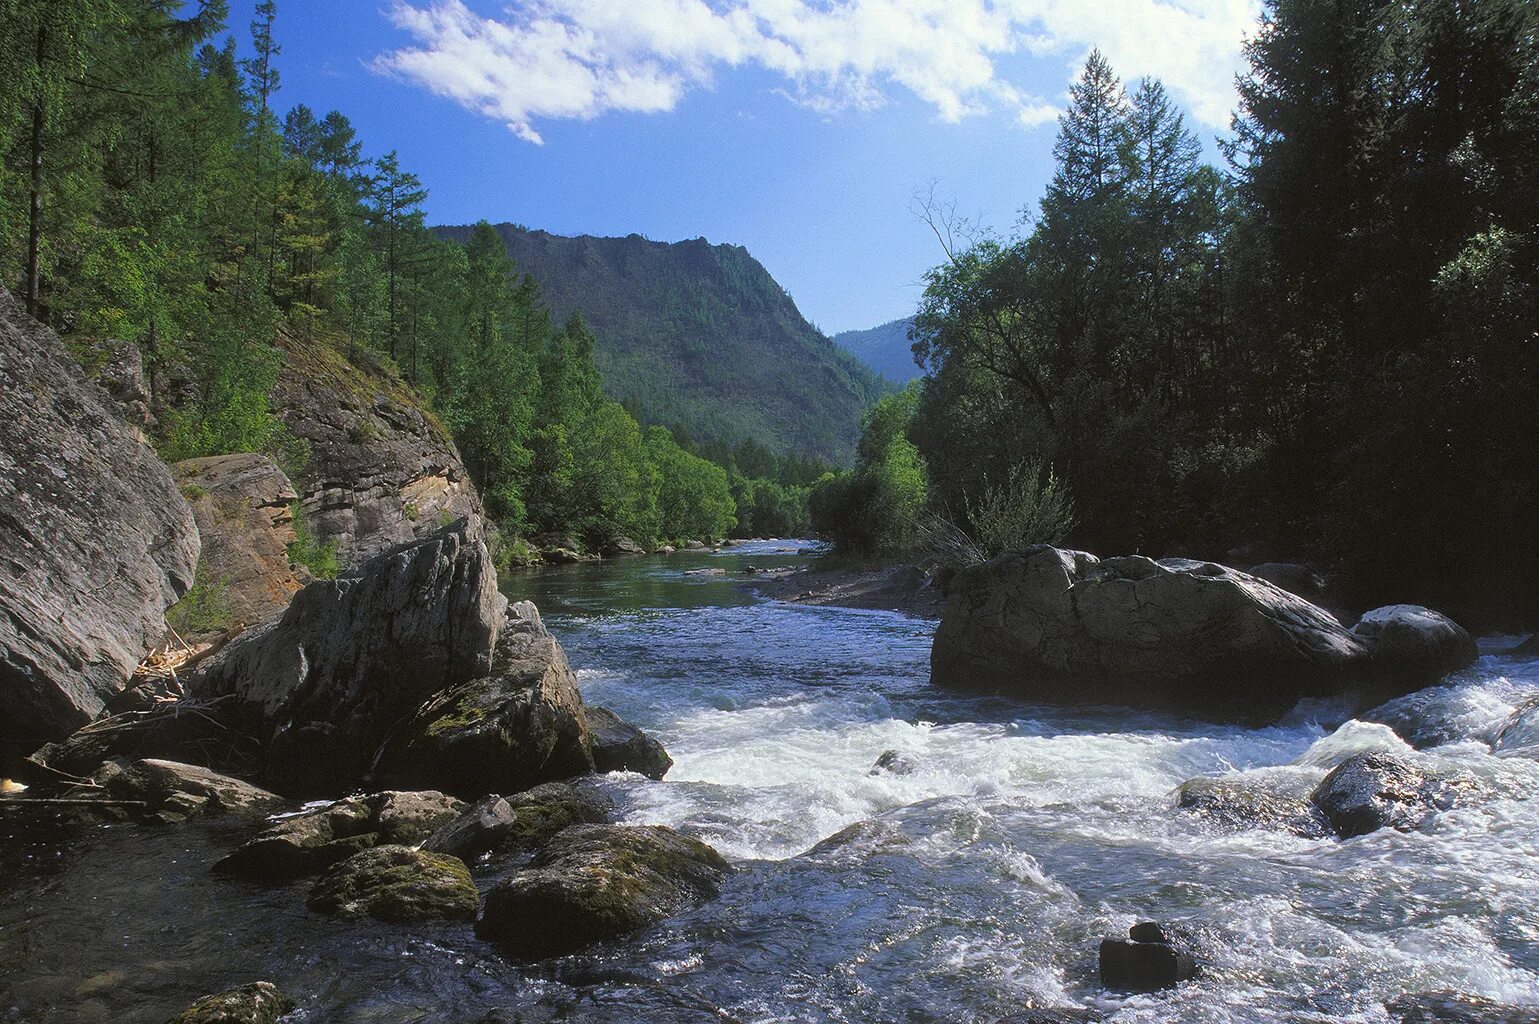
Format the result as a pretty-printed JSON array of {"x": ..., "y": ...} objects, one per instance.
[{"x": 977, "y": 884}]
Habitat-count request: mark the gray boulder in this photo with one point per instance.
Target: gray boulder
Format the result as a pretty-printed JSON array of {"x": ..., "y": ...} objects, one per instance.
[
  {"x": 1414, "y": 645},
  {"x": 1367, "y": 792},
  {"x": 1293, "y": 577},
  {"x": 619, "y": 746},
  {"x": 1065, "y": 627},
  {"x": 242, "y": 505},
  {"x": 621, "y": 547},
  {"x": 520, "y": 725},
  {"x": 321, "y": 686},
  {"x": 519, "y": 823},
  {"x": 307, "y": 843},
  {"x": 257, "y": 1003},
  {"x": 95, "y": 540},
  {"x": 1231, "y": 804},
  {"x": 595, "y": 882},
  {"x": 168, "y": 791},
  {"x": 396, "y": 883}
]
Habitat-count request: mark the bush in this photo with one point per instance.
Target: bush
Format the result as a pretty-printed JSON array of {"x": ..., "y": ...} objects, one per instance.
[
  {"x": 203, "y": 609},
  {"x": 319, "y": 557},
  {"x": 1031, "y": 507}
]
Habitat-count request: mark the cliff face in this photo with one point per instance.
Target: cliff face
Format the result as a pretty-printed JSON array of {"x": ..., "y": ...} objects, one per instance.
[
  {"x": 95, "y": 539},
  {"x": 382, "y": 470},
  {"x": 702, "y": 336}
]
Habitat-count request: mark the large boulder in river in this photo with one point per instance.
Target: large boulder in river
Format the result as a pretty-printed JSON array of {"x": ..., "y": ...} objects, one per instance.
[
  {"x": 396, "y": 883},
  {"x": 304, "y": 844},
  {"x": 1065, "y": 627},
  {"x": 594, "y": 882},
  {"x": 1373, "y": 790},
  {"x": 519, "y": 823},
  {"x": 521, "y": 724},
  {"x": 242, "y": 505},
  {"x": 321, "y": 686},
  {"x": 382, "y": 470},
  {"x": 95, "y": 539},
  {"x": 619, "y": 746},
  {"x": 169, "y": 791}
]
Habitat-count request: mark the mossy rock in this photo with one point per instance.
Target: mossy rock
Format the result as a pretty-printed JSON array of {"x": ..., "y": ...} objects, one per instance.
[
  {"x": 519, "y": 823},
  {"x": 396, "y": 883},
  {"x": 594, "y": 882},
  {"x": 257, "y": 1003}
]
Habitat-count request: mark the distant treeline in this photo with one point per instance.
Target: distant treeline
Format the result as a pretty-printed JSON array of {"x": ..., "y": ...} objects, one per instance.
[
  {"x": 152, "y": 191},
  {"x": 1325, "y": 349}
]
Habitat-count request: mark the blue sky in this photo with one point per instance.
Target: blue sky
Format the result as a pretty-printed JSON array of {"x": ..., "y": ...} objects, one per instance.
[{"x": 798, "y": 128}]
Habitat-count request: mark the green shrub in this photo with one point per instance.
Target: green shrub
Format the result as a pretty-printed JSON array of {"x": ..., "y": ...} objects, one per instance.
[
  {"x": 319, "y": 557},
  {"x": 1031, "y": 507},
  {"x": 203, "y": 609}
]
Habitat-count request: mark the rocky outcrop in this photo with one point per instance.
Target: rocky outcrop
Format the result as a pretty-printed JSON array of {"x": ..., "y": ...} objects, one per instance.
[
  {"x": 381, "y": 471},
  {"x": 619, "y": 746},
  {"x": 599, "y": 882},
  {"x": 396, "y": 883},
  {"x": 169, "y": 791},
  {"x": 242, "y": 506},
  {"x": 95, "y": 539},
  {"x": 519, "y": 823},
  {"x": 117, "y": 367},
  {"x": 307, "y": 843},
  {"x": 321, "y": 686},
  {"x": 1065, "y": 627},
  {"x": 520, "y": 725},
  {"x": 1231, "y": 804},
  {"x": 257, "y": 1003}
]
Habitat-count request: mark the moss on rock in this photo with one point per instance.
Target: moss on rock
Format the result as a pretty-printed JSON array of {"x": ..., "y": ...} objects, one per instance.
[
  {"x": 257, "y": 1003},
  {"x": 396, "y": 883}
]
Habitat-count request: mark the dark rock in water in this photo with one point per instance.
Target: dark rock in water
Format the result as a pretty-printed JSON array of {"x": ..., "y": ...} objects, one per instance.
[
  {"x": 1055, "y": 1015},
  {"x": 620, "y": 547},
  {"x": 311, "y": 842},
  {"x": 1527, "y": 649},
  {"x": 1520, "y": 733},
  {"x": 521, "y": 725},
  {"x": 1151, "y": 958},
  {"x": 566, "y": 556},
  {"x": 518, "y": 823},
  {"x": 1367, "y": 792},
  {"x": 321, "y": 686},
  {"x": 894, "y": 762},
  {"x": 382, "y": 470},
  {"x": 1427, "y": 718},
  {"x": 396, "y": 883},
  {"x": 1066, "y": 627},
  {"x": 243, "y": 507},
  {"x": 1454, "y": 1008},
  {"x": 96, "y": 539},
  {"x": 257, "y": 1003},
  {"x": 1232, "y": 804},
  {"x": 594, "y": 882},
  {"x": 171, "y": 792},
  {"x": 619, "y": 746},
  {"x": 1415, "y": 646}
]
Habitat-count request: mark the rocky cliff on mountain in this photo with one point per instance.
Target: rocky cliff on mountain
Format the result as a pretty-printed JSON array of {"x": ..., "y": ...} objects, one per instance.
[
  {"x": 1066, "y": 627},
  {"x": 95, "y": 539},
  {"x": 381, "y": 470}
]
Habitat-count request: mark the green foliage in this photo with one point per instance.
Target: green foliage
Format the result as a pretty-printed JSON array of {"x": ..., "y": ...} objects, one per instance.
[
  {"x": 878, "y": 506},
  {"x": 1032, "y": 506},
  {"x": 203, "y": 609},
  {"x": 316, "y": 556}
]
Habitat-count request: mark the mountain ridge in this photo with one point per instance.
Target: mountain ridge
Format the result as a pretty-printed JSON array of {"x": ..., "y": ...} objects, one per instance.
[{"x": 884, "y": 349}]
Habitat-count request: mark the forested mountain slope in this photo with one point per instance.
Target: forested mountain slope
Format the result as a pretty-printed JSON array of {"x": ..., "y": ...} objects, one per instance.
[
  {"x": 700, "y": 336},
  {"x": 885, "y": 349}
]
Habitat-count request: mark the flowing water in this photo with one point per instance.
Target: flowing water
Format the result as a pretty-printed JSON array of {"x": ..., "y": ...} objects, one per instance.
[{"x": 977, "y": 884}]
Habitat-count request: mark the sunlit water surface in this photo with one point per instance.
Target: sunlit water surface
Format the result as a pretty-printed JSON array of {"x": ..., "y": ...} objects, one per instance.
[{"x": 978, "y": 884}]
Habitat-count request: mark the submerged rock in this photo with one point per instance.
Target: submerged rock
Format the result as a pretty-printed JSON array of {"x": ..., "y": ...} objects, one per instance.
[
  {"x": 396, "y": 883},
  {"x": 594, "y": 882},
  {"x": 521, "y": 725},
  {"x": 1055, "y": 1015},
  {"x": 308, "y": 843},
  {"x": 170, "y": 791},
  {"x": 894, "y": 762},
  {"x": 1197, "y": 637},
  {"x": 1455, "y": 1008},
  {"x": 1152, "y": 957},
  {"x": 95, "y": 540},
  {"x": 1233, "y": 804},
  {"x": 1367, "y": 792},
  {"x": 1520, "y": 733},
  {"x": 242, "y": 505},
  {"x": 518, "y": 823},
  {"x": 321, "y": 686},
  {"x": 257, "y": 1003},
  {"x": 619, "y": 746}
]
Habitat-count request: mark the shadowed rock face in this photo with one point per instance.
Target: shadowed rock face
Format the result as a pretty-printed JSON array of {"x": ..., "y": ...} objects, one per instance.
[
  {"x": 241, "y": 503},
  {"x": 95, "y": 539},
  {"x": 1197, "y": 637},
  {"x": 321, "y": 686}
]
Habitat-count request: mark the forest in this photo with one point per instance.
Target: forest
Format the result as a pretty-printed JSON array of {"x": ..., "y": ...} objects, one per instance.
[
  {"x": 1323, "y": 349},
  {"x": 154, "y": 191}
]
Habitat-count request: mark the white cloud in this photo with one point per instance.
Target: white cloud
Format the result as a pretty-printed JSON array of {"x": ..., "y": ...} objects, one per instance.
[{"x": 554, "y": 59}]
